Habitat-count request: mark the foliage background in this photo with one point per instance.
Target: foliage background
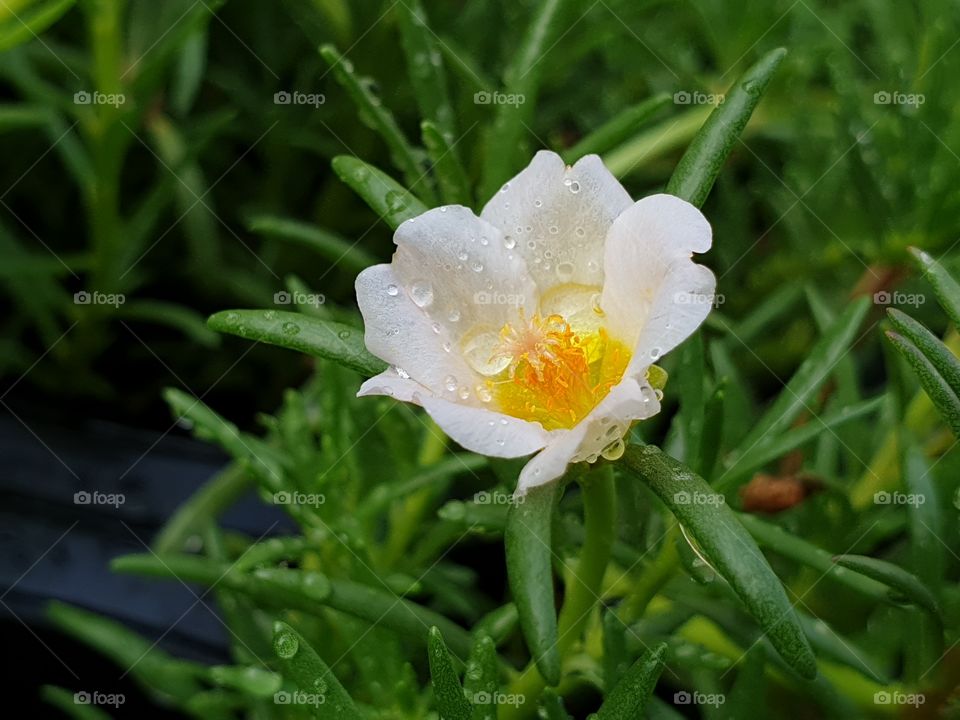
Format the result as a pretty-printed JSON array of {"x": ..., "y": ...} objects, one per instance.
[{"x": 172, "y": 197}]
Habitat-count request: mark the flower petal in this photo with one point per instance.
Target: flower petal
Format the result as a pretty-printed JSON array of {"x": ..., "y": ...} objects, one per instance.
[
  {"x": 628, "y": 401},
  {"x": 399, "y": 333},
  {"x": 457, "y": 271},
  {"x": 558, "y": 217},
  {"x": 392, "y": 384},
  {"x": 654, "y": 295},
  {"x": 485, "y": 431}
]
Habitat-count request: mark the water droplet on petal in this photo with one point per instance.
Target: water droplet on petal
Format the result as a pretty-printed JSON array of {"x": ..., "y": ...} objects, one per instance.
[
  {"x": 392, "y": 290},
  {"x": 422, "y": 294},
  {"x": 450, "y": 383}
]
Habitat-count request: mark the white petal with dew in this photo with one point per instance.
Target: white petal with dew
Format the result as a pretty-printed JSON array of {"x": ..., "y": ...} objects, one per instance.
[
  {"x": 557, "y": 217},
  {"x": 654, "y": 295},
  {"x": 485, "y": 431},
  {"x": 398, "y": 332}
]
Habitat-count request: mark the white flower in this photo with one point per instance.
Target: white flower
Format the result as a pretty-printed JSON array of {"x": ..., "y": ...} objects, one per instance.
[{"x": 534, "y": 326}]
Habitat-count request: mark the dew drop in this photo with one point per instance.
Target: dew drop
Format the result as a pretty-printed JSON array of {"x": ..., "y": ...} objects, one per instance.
[
  {"x": 509, "y": 242},
  {"x": 654, "y": 353},
  {"x": 464, "y": 393},
  {"x": 483, "y": 392},
  {"x": 422, "y": 294},
  {"x": 289, "y": 328},
  {"x": 574, "y": 187},
  {"x": 232, "y": 318},
  {"x": 454, "y": 315},
  {"x": 270, "y": 315},
  {"x": 477, "y": 267},
  {"x": 343, "y": 334},
  {"x": 450, "y": 383},
  {"x": 565, "y": 270},
  {"x": 286, "y": 645},
  {"x": 436, "y": 328},
  {"x": 392, "y": 290},
  {"x": 480, "y": 348}
]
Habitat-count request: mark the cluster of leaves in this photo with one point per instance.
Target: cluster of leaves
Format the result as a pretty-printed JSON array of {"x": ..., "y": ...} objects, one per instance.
[{"x": 663, "y": 582}]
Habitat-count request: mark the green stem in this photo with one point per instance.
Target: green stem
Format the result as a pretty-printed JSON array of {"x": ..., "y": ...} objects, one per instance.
[
  {"x": 584, "y": 583},
  {"x": 652, "y": 580}
]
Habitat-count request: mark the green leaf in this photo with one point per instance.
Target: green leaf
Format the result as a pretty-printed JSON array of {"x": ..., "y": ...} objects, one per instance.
[
  {"x": 375, "y": 113},
  {"x": 295, "y": 331},
  {"x": 451, "y": 177},
  {"x": 946, "y": 288},
  {"x": 799, "y": 550},
  {"x": 729, "y": 548},
  {"x": 447, "y": 690},
  {"x": 629, "y": 698},
  {"x": 932, "y": 382},
  {"x": 936, "y": 352},
  {"x": 284, "y": 588},
  {"x": 249, "y": 680},
  {"x": 772, "y": 447},
  {"x": 521, "y": 79},
  {"x": 152, "y": 668},
  {"x": 895, "y": 577},
  {"x": 29, "y": 22},
  {"x": 747, "y": 697},
  {"x": 70, "y": 703},
  {"x": 306, "y": 668},
  {"x": 425, "y": 63},
  {"x": 617, "y": 129},
  {"x": 701, "y": 163},
  {"x": 529, "y": 569},
  {"x": 808, "y": 378},
  {"x": 341, "y": 251},
  {"x": 712, "y": 438},
  {"x": 390, "y": 200},
  {"x": 481, "y": 679}
]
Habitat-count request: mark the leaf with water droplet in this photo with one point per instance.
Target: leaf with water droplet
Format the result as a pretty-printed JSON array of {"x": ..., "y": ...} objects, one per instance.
[
  {"x": 301, "y": 664},
  {"x": 390, "y": 200},
  {"x": 314, "y": 336}
]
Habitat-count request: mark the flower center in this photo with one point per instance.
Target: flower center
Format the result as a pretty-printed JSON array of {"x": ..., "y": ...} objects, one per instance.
[{"x": 552, "y": 368}]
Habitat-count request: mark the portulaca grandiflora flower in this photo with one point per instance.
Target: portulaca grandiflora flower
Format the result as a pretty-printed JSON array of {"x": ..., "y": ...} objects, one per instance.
[{"x": 536, "y": 326}]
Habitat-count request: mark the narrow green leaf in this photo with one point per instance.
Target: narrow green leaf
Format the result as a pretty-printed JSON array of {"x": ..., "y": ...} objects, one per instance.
[
  {"x": 390, "y": 200},
  {"x": 799, "y": 550},
  {"x": 284, "y": 588},
  {"x": 701, "y": 163},
  {"x": 522, "y": 81},
  {"x": 379, "y": 118},
  {"x": 830, "y": 645},
  {"x": 249, "y": 680},
  {"x": 447, "y": 690},
  {"x": 747, "y": 697},
  {"x": 530, "y": 572},
  {"x": 729, "y": 548},
  {"x": 932, "y": 347},
  {"x": 895, "y": 577},
  {"x": 808, "y": 378},
  {"x": 926, "y": 521},
  {"x": 295, "y": 331},
  {"x": 72, "y": 704},
  {"x": 312, "y": 675},
  {"x": 481, "y": 679},
  {"x": 932, "y": 382},
  {"x": 341, "y": 251},
  {"x": 31, "y": 21},
  {"x": 689, "y": 381},
  {"x": 618, "y": 129},
  {"x": 712, "y": 438},
  {"x": 425, "y": 64},
  {"x": 946, "y": 288},
  {"x": 451, "y": 177},
  {"x": 615, "y": 657},
  {"x": 152, "y": 667},
  {"x": 629, "y": 698},
  {"x": 772, "y": 447}
]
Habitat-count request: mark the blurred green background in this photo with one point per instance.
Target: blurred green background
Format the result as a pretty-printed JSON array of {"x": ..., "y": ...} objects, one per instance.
[{"x": 169, "y": 198}]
